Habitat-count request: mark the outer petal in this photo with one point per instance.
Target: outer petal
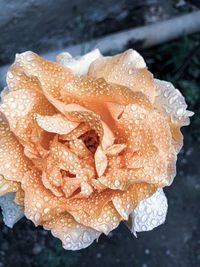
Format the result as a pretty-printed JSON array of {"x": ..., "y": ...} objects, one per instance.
[
  {"x": 18, "y": 80},
  {"x": 13, "y": 163},
  {"x": 7, "y": 186},
  {"x": 126, "y": 201},
  {"x": 171, "y": 103},
  {"x": 104, "y": 221},
  {"x": 79, "y": 65},
  {"x": 12, "y": 212},
  {"x": 150, "y": 212},
  {"x": 127, "y": 69},
  {"x": 42, "y": 206},
  {"x": 74, "y": 236},
  {"x": 39, "y": 203},
  {"x": 35, "y": 69},
  {"x": 19, "y": 108}
]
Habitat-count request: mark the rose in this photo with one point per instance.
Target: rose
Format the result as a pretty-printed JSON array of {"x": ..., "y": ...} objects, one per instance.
[{"x": 85, "y": 140}]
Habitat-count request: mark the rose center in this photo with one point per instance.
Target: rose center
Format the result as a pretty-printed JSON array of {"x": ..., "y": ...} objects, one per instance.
[{"x": 91, "y": 140}]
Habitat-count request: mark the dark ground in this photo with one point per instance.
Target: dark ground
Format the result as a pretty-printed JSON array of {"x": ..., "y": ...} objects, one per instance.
[{"x": 177, "y": 242}]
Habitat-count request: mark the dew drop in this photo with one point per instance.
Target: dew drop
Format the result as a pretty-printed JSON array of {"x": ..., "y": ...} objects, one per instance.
[{"x": 131, "y": 71}]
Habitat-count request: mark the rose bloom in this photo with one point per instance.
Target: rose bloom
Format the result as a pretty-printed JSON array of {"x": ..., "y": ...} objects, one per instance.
[{"x": 87, "y": 143}]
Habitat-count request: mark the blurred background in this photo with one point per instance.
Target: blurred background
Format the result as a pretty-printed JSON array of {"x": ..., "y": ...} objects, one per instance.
[{"x": 171, "y": 49}]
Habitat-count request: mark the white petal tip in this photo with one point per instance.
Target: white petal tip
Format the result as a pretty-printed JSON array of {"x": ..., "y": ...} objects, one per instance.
[
  {"x": 149, "y": 213},
  {"x": 78, "y": 65},
  {"x": 12, "y": 212}
]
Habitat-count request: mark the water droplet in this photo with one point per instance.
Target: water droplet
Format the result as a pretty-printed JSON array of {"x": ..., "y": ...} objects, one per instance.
[
  {"x": 117, "y": 182},
  {"x": 131, "y": 71}
]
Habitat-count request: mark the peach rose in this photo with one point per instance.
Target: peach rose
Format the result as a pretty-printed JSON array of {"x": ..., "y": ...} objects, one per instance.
[{"x": 86, "y": 143}]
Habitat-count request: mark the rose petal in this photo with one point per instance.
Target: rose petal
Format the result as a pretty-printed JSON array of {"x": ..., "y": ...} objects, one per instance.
[
  {"x": 127, "y": 69},
  {"x": 119, "y": 178},
  {"x": 74, "y": 236},
  {"x": 105, "y": 221},
  {"x": 20, "y": 107},
  {"x": 115, "y": 149},
  {"x": 79, "y": 148},
  {"x": 75, "y": 134},
  {"x": 42, "y": 206},
  {"x": 39, "y": 203},
  {"x": 149, "y": 213},
  {"x": 19, "y": 196},
  {"x": 161, "y": 133},
  {"x": 17, "y": 79},
  {"x": 7, "y": 186},
  {"x": 125, "y": 202},
  {"x": 108, "y": 136},
  {"x": 86, "y": 190},
  {"x": 77, "y": 112},
  {"x": 13, "y": 163},
  {"x": 177, "y": 137},
  {"x": 70, "y": 185},
  {"x": 115, "y": 109},
  {"x": 136, "y": 132},
  {"x": 4, "y": 92},
  {"x": 90, "y": 118},
  {"x": 78, "y": 65},
  {"x": 49, "y": 178},
  {"x": 171, "y": 103},
  {"x": 55, "y": 124},
  {"x": 100, "y": 161},
  {"x": 50, "y": 75},
  {"x": 12, "y": 212}
]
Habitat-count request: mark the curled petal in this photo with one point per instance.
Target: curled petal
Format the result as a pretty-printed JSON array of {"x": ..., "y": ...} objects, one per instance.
[
  {"x": 75, "y": 134},
  {"x": 17, "y": 79},
  {"x": 4, "y": 92},
  {"x": 19, "y": 197},
  {"x": 177, "y": 137},
  {"x": 171, "y": 103},
  {"x": 7, "y": 186},
  {"x": 161, "y": 133},
  {"x": 13, "y": 163},
  {"x": 127, "y": 69},
  {"x": 115, "y": 149},
  {"x": 12, "y": 212},
  {"x": 150, "y": 213},
  {"x": 70, "y": 185},
  {"x": 40, "y": 204},
  {"x": 115, "y": 109},
  {"x": 20, "y": 107},
  {"x": 47, "y": 74},
  {"x": 125, "y": 202},
  {"x": 55, "y": 124},
  {"x": 90, "y": 118},
  {"x": 108, "y": 136},
  {"x": 73, "y": 235},
  {"x": 117, "y": 178},
  {"x": 104, "y": 221},
  {"x": 138, "y": 136},
  {"x": 100, "y": 161},
  {"x": 77, "y": 112},
  {"x": 79, "y": 148},
  {"x": 78, "y": 65}
]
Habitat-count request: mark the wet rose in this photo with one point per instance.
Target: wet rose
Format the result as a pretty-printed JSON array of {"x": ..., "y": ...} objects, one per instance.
[{"x": 87, "y": 143}]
